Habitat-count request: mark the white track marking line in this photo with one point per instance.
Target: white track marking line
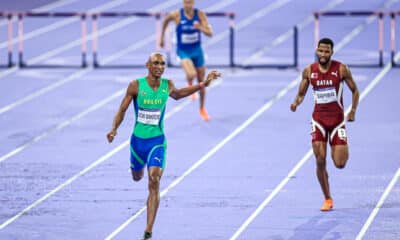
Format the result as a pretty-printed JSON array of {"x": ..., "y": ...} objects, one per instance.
[
  {"x": 108, "y": 29},
  {"x": 308, "y": 20},
  {"x": 396, "y": 176},
  {"x": 276, "y": 190},
  {"x": 280, "y": 186},
  {"x": 301, "y": 26},
  {"x": 210, "y": 153},
  {"x": 68, "y": 122},
  {"x": 103, "y": 102},
  {"x": 118, "y": 148},
  {"x": 92, "y": 165},
  {"x": 63, "y": 23},
  {"x": 247, "y": 21},
  {"x": 77, "y": 42},
  {"x": 80, "y": 72},
  {"x": 45, "y": 8},
  {"x": 62, "y": 125},
  {"x": 378, "y": 205}
]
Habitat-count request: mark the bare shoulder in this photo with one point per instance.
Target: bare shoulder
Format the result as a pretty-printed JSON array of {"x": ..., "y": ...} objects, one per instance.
[
  {"x": 134, "y": 83},
  {"x": 344, "y": 70},
  {"x": 133, "y": 87},
  {"x": 174, "y": 14},
  {"x": 201, "y": 12},
  {"x": 343, "y": 67},
  {"x": 306, "y": 71},
  {"x": 202, "y": 15}
]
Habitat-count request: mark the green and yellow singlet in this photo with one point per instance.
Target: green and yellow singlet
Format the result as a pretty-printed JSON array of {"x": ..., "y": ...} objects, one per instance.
[{"x": 150, "y": 109}]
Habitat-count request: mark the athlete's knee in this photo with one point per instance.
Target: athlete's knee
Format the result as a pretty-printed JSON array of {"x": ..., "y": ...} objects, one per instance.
[
  {"x": 340, "y": 157},
  {"x": 137, "y": 176},
  {"x": 340, "y": 163},
  {"x": 321, "y": 160},
  {"x": 190, "y": 76},
  {"x": 154, "y": 182}
]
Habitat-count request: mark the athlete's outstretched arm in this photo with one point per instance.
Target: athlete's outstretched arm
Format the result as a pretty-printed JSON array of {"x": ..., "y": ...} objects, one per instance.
[
  {"x": 131, "y": 93},
  {"x": 204, "y": 26},
  {"x": 348, "y": 78},
  {"x": 172, "y": 16},
  {"x": 186, "y": 91},
  {"x": 305, "y": 82}
]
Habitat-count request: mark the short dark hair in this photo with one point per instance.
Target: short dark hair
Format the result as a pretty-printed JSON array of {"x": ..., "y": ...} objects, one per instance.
[{"x": 326, "y": 41}]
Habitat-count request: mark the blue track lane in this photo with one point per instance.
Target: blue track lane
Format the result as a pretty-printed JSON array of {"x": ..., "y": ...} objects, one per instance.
[{"x": 214, "y": 200}]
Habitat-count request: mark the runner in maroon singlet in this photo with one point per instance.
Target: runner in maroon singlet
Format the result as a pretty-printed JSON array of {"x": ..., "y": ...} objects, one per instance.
[{"x": 327, "y": 78}]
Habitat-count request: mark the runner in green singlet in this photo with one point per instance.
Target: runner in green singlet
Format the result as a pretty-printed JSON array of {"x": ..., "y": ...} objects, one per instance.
[{"x": 148, "y": 145}]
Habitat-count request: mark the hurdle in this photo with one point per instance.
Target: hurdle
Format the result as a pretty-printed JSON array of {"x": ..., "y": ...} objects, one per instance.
[
  {"x": 95, "y": 18},
  {"x": 231, "y": 44},
  {"x": 379, "y": 14},
  {"x": 9, "y": 17},
  {"x": 94, "y": 37},
  {"x": 22, "y": 15},
  {"x": 393, "y": 37},
  {"x": 157, "y": 16},
  {"x": 295, "y": 62}
]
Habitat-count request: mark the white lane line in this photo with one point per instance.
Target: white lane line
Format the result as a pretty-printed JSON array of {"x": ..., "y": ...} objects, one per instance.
[
  {"x": 51, "y": 193},
  {"x": 247, "y": 21},
  {"x": 92, "y": 165},
  {"x": 84, "y": 71},
  {"x": 110, "y": 28},
  {"x": 45, "y": 8},
  {"x": 396, "y": 176},
  {"x": 77, "y": 42},
  {"x": 101, "y": 103},
  {"x": 62, "y": 23},
  {"x": 308, "y": 20},
  {"x": 292, "y": 173},
  {"x": 53, "y": 5},
  {"x": 276, "y": 190},
  {"x": 210, "y": 153},
  {"x": 58, "y": 188},
  {"x": 215, "y": 7},
  {"x": 301, "y": 26},
  {"x": 378, "y": 205},
  {"x": 62, "y": 125}
]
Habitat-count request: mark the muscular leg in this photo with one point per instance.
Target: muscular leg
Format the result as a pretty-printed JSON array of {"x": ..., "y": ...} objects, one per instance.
[
  {"x": 340, "y": 155},
  {"x": 137, "y": 175},
  {"x": 319, "y": 149},
  {"x": 200, "y": 78},
  {"x": 189, "y": 70},
  {"x": 153, "y": 200}
]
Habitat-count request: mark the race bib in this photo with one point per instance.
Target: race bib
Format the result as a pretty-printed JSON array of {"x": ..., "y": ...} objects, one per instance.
[
  {"x": 312, "y": 128},
  {"x": 149, "y": 116},
  {"x": 325, "y": 95},
  {"x": 342, "y": 133},
  {"x": 190, "y": 38}
]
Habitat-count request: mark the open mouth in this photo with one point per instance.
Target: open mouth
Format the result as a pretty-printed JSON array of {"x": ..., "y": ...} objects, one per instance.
[{"x": 323, "y": 60}]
